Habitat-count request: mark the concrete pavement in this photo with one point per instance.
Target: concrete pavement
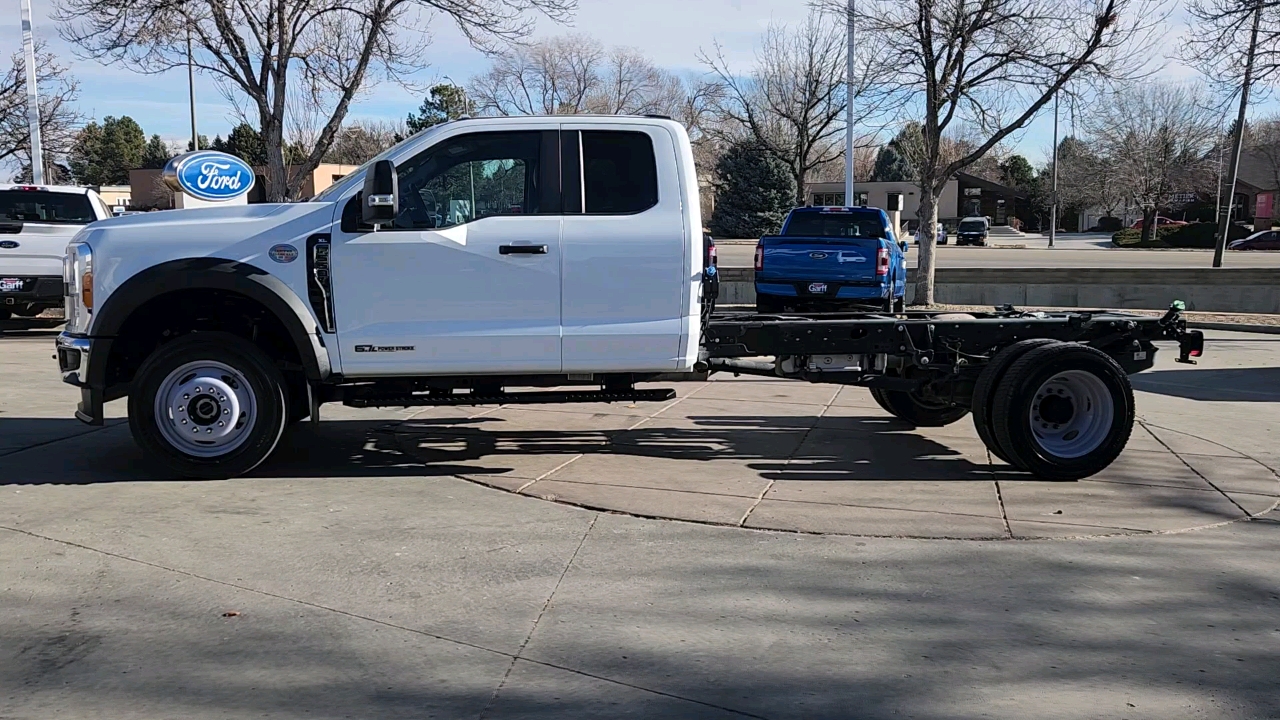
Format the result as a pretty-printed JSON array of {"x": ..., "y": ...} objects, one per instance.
[{"x": 367, "y": 572}]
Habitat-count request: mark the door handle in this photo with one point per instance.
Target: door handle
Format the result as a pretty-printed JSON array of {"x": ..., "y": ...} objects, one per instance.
[{"x": 522, "y": 249}]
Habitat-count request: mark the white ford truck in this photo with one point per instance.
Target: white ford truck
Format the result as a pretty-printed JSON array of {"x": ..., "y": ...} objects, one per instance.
[
  {"x": 36, "y": 221},
  {"x": 529, "y": 260}
]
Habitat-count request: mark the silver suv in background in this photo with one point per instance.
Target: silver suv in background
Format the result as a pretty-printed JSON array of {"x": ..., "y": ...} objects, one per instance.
[{"x": 36, "y": 223}]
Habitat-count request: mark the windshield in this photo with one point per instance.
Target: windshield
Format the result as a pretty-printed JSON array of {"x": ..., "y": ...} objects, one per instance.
[
  {"x": 853, "y": 225},
  {"x": 338, "y": 189},
  {"x": 42, "y": 206},
  {"x": 972, "y": 226}
]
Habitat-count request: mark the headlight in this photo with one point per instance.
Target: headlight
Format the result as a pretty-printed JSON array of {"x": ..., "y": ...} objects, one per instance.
[{"x": 77, "y": 278}]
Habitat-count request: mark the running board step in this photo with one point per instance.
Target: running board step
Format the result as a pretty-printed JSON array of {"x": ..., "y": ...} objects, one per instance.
[{"x": 515, "y": 398}]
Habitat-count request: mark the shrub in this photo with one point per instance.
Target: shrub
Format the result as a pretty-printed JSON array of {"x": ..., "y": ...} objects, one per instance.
[{"x": 1193, "y": 235}]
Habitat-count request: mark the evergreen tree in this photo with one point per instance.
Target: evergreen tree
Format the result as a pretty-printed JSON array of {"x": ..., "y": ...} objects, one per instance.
[
  {"x": 204, "y": 144},
  {"x": 442, "y": 104},
  {"x": 1016, "y": 172},
  {"x": 893, "y": 162},
  {"x": 245, "y": 142},
  {"x": 104, "y": 154},
  {"x": 156, "y": 154},
  {"x": 754, "y": 194}
]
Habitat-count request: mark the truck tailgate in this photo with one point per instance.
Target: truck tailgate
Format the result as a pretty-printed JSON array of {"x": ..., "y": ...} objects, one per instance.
[{"x": 801, "y": 258}]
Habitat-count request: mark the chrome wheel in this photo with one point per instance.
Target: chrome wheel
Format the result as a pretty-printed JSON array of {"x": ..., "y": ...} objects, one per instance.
[
  {"x": 1072, "y": 414},
  {"x": 205, "y": 409}
]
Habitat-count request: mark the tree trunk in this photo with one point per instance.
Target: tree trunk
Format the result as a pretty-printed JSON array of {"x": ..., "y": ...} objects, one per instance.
[
  {"x": 928, "y": 215},
  {"x": 277, "y": 175},
  {"x": 801, "y": 177},
  {"x": 1148, "y": 224}
]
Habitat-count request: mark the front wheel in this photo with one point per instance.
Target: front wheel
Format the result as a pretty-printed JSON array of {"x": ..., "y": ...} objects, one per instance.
[
  {"x": 208, "y": 405},
  {"x": 917, "y": 410}
]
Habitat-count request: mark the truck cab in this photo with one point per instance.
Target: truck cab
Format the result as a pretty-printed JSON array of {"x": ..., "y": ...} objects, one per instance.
[
  {"x": 546, "y": 251},
  {"x": 831, "y": 258}
]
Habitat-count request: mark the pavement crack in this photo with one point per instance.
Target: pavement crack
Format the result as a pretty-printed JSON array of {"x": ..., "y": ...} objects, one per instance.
[
  {"x": 773, "y": 481},
  {"x": 534, "y": 628},
  {"x": 1197, "y": 472},
  {"x": 633, "y": 426},
  {"x": 1004, "y": 515},
  {"x": 391, "y": 625}
]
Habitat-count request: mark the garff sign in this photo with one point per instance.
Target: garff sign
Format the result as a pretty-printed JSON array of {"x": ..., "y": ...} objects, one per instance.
[{"x": 207, "y": 178}]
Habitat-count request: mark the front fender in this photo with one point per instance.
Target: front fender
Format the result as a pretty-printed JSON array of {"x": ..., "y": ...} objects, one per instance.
[{"x": 215, "y": 274}]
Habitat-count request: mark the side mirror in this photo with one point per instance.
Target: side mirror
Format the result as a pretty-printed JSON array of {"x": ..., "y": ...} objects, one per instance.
[{"x": 381, "y": 198}]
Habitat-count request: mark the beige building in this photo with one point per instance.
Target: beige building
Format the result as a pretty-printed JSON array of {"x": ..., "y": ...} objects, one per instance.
[
  {"x": 147, "y": 188},
  {"x": 116, "y": 196}
]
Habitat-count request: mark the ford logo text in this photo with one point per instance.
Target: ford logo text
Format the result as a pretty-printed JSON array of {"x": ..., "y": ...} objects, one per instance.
[{"x": 209, "y": 175}]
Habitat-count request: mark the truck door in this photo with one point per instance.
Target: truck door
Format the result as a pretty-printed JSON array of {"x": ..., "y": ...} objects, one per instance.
[
  {"x": 467, "y": 279},
  {"x": 626, "y": 270}
]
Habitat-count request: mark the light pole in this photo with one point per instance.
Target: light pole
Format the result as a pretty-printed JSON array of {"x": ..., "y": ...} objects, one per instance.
[
  {"x": 191, "y": 90},
  {"x": 1053, "y": 199},
  {"x": 848, "y": 112},
  {"x": 33, "y": 99}
]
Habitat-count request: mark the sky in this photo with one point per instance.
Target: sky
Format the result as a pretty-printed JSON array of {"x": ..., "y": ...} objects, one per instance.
[{"x": 671, "y": 32}]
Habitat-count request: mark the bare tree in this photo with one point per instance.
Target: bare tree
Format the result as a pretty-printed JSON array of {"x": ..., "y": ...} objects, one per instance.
[
  {"x": 1236, "y": 45},
  {"x": 982, "y": 69},
  {"x": 548, "y": 77},
  {"x": 358, "y": 142},
  {"x": 1156, "y": 138},
  {"x": 273, "y": 50},
  {"x": 793, "y": 102},
  {"x": 58, "y": 117}
]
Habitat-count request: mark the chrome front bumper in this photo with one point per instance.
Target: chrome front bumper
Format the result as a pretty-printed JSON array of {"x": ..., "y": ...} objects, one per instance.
[{"x": 73, "y": 359}]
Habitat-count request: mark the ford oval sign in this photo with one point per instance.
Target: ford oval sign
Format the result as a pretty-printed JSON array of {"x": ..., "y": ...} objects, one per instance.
[{"x": 209, "y": 175}]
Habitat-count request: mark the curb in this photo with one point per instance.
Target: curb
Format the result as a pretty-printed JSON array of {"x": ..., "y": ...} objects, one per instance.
[{"x": 1235, "y": 327}]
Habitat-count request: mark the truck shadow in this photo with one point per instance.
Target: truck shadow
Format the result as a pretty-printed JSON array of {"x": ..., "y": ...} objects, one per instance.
[
  {"x": 1248, "y": 384},
  {"x": 776, "y": 448}
]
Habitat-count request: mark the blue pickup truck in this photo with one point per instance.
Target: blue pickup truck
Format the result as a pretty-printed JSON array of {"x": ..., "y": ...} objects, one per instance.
[{"x": 831, "y": 259}]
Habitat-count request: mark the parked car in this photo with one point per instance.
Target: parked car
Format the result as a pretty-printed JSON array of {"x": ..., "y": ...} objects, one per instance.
[
  {"x": 36, "y": 222},
  {"x": 831, "y": 258},
  {"x": 972, "y": 231},
  {"x": 940, "y": 238},
  {"x": 1160, "y": 222},
  {"x": 1264, "y": 240}
]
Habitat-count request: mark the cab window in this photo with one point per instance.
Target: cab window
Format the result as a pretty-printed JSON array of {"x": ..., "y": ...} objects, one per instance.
[
  {"x": 619, "y": 173},
  {"x": 468, "y": 178}
]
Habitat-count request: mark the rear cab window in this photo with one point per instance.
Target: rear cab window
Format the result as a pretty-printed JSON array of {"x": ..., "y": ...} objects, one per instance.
[
  {"x": 835, "y": 225},
  {"x": 45, "y": 206},
  {"x": 619, "y": 172}
]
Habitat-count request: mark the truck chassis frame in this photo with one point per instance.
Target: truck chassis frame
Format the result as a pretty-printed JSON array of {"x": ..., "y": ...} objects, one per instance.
[{"x": 928, "y": 368}]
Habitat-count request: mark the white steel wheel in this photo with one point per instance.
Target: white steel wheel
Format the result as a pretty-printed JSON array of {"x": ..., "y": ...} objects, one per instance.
[
  {"x": 208, "y": 405},
  {"x": 205, "y": 408},
  {"x": 1071, "y": 414}
]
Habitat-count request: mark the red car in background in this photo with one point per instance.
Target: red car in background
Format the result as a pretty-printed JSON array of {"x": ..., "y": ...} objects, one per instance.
[{"x": 1160, "y": 222}]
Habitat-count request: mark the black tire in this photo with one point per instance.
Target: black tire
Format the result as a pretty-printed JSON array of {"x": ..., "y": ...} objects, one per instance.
[
  {"x": 984, "y": 392},
  {"x": 1094, "y": 411},
  {"x": 259, "y": 400},
  {"x": 900, "y": 305},
  {"x": 912, "y": 408}
]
